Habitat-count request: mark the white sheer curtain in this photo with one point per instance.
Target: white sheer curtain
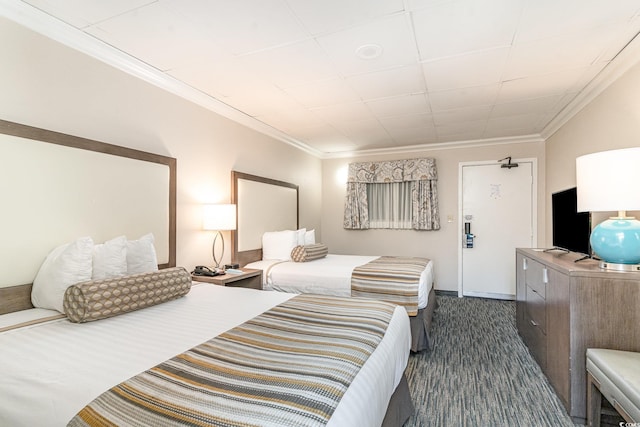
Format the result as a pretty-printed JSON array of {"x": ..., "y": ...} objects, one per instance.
[{"x": 390, "y": 204}]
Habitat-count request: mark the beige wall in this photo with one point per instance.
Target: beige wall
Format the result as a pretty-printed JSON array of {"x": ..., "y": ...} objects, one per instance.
[
  {"x": 47, "y": 85},
  {"x": 610, "y": 121},
  {"x": 441, "y": 245}
]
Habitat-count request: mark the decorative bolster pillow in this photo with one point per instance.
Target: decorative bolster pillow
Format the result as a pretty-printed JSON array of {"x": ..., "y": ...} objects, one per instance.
[
  {"x": 99, "y": 299},
  {"x": 309, "y": 252}
]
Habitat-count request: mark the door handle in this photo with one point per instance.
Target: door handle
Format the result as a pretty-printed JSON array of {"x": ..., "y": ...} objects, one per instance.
[{"x": 468, "y": 236}]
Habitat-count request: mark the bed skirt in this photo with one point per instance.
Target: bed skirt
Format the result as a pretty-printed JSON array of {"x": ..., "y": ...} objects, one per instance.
[
  {"x": 421, "y": 325},
  {"x": 400, "y": 406}
]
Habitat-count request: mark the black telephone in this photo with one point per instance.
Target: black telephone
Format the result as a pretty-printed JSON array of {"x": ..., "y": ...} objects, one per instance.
[{"x": 202, "y": 270}]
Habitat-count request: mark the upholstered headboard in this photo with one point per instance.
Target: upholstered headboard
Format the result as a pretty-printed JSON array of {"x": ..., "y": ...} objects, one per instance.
[
  {"x": 262, "y": 204},
  {"x": 58, "y": 187}
]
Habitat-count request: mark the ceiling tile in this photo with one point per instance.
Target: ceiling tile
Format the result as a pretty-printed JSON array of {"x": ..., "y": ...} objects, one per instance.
[
  {"x": 414, "y": 135},
  {"x": 391, "y": 33},
  {"x": 473, "y": 69},
  {"x": 244, "y": 26},
  {"x": 521, "y": 121},
  {"x": 452, "y": 28},
  {"x": 477, "y": 69},
  {"x": 399, "y": 105},
  {"x": 464, "y": 97},
  {"x": 81, "y": 13},
  {"x": 535, "y": 105},
  {"x": 158, "y": 36},
  {"x": 229, "y": 77},
  {"x": 388, "y": 83},
  {"x": 363, "y": 129},
  {"x": 291, "y": 120},
  {"x": 261, "y": 101},
  {"x": 325, "y": 16},
  {"x": 557, "y": 53},
  {"x": 293, "y": 64},
  {"x": 393, "y": 124},
  {"x": 545, "y": 18},
  {"x": 459, "y": 115},
  {"x": 540, "y": 86},
  {"x": 323, "y": 93},
  {"x": 339, "y": 113},
  {"x": 461, "y": 128}
]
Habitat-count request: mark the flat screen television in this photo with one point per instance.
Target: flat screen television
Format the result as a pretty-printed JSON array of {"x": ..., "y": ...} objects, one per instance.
[{"x": 571, "y": 229}]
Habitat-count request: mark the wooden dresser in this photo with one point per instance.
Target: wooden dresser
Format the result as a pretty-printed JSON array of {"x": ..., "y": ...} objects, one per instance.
[{"x": 564, "y": 307}]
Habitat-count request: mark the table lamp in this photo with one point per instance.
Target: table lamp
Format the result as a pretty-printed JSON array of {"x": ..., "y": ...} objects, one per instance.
[
  {"x": 218, "y": 218},
  {"x": 609, "y": 181}
]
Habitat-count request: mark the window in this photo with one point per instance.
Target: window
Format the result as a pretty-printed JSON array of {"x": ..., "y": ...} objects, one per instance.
[
  {"x": 398, "y": 194},
  {"x": 389, "y": 205}
]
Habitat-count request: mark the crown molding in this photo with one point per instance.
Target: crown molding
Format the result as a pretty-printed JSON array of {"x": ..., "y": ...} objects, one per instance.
[
  {"x": 523, "y": 139},
  {"x": 621, "y": 63},
  {"x": 55, "y": 29}
]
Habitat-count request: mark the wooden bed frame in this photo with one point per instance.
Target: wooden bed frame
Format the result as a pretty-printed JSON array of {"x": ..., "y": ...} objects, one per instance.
[{"x": 18, "y": 297}]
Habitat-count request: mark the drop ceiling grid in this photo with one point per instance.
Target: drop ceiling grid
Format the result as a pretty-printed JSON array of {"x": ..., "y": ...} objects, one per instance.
[{"x": 454, "y": 68}]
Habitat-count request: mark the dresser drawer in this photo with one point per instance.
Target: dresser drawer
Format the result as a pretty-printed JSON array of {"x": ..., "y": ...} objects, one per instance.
[
  {"x": 536, "y": 277},
  {"x": 536, "y": 309},
  {"x": 536, "y": 341}
]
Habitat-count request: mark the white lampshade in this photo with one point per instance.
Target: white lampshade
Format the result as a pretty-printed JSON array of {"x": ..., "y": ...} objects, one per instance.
[
  {"x": 609, "y": 181},
  {"x": 219, "y": 217}
]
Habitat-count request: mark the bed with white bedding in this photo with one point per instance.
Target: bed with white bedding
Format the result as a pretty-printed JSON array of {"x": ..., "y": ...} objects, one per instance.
[
  {"x": 265, "y": 205},
  {"x": 51, "y": 370},
  {"x": 330, "y": 275}
]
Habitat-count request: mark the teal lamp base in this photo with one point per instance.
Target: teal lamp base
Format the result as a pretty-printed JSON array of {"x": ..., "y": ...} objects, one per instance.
[{"x": 616, "y": 242}]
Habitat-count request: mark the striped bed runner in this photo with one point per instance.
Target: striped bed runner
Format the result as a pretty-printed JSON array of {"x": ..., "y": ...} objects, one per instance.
[
  {"x": 392, "y": 279},
  {"x": 289, "y": 366}
]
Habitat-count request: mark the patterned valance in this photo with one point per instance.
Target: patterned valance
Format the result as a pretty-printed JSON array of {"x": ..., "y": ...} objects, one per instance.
[
  {"x": 424, "y": 193},
  {"x": 393, "y": 171}
]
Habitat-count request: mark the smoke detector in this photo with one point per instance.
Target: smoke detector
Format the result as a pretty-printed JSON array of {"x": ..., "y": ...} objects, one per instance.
[{"x": 369, "y": 51}]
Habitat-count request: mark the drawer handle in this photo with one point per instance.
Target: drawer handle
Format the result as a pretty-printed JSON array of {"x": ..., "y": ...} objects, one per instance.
[
  {"x": 545, "y": 275},
  {"x": 524, "y": 263},
  {"x": 533, "y": 323}
]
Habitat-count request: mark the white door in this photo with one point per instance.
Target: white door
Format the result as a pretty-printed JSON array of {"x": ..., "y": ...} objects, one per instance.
[{"x": 498, "y": 204}]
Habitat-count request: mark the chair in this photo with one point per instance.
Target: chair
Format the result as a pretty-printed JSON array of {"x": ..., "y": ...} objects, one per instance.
[{"x": 615, "y": 375}]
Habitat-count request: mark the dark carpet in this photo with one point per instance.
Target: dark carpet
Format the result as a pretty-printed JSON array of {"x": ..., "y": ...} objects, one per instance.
[{"x": 479, "y": 372}]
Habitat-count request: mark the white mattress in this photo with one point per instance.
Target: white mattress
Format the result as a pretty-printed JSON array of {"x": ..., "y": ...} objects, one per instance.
[
  {"x": 50, "y": 371},
  {"x": 330, "y": 275}
]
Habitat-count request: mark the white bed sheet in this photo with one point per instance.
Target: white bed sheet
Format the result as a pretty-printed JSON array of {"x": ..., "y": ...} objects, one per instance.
[
  {"x": 24, "y": 316},
  {"x": 330, "y": 275},
  {"x": 50, "y": 371}
]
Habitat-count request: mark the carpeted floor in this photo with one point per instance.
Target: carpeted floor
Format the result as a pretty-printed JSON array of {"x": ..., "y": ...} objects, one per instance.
[{"x": 480, "y": 373}]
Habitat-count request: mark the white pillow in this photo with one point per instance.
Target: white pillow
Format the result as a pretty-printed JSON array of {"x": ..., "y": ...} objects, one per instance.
[
  {"x": 310, "y": 237},
  {"x": 300, "y": 233},
  {"x": 278, "y": 244},
  {"x": 110, "y": 259},
  {"x": 64, "y": 266},
  {"x": 141, "y": 255}
]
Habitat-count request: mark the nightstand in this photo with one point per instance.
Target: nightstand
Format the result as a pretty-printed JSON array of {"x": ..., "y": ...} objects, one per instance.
[{"x": 249, "y": 278}]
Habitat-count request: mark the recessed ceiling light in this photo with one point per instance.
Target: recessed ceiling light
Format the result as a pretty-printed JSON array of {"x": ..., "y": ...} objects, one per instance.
[{"x": 369, "y": 51}]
